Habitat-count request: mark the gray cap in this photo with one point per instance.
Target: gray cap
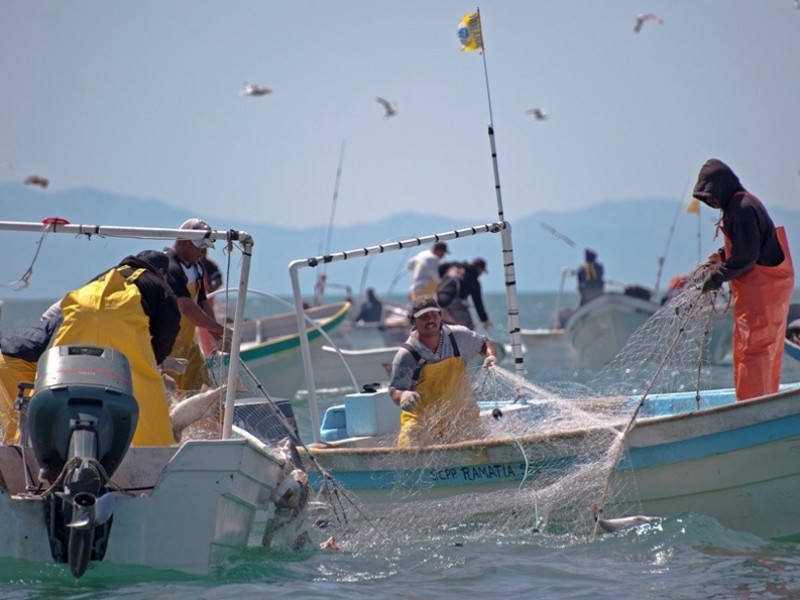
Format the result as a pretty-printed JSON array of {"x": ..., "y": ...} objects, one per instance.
[{"x": 206, "y": 242}]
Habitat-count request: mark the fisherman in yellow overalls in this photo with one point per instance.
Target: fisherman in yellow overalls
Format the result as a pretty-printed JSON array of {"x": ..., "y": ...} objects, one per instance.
[
  {"x": 19, "y": 356},
  {"x": 130, "y": 308},
  {"x": 430, "y": 382},
  {"x": 186, "y": 280}
]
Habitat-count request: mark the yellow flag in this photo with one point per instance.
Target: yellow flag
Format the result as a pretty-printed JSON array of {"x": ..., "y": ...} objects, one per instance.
[
  {"x": 469, "y": 32},
  {"x": 693, "y": 206}
]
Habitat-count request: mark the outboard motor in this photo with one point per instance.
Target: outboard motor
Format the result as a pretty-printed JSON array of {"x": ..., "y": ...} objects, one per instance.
[{"x": 81, "y": 418}]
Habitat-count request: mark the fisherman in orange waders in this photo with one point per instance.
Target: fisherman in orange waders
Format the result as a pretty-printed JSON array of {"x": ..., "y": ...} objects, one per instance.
[
  {"x": 758, "y": 266},
  {"x": 430, "y": 382},
  {"x": 130, "y": 308}
]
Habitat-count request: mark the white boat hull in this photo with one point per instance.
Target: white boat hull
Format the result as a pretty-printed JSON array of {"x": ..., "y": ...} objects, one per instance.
[
  {"x": 202, "y": 507},
  {"x": 738, "y": 462}
]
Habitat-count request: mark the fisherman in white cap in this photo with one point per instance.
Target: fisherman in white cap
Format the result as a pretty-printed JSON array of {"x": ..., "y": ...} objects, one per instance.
[{"x": 186, "y": 279}]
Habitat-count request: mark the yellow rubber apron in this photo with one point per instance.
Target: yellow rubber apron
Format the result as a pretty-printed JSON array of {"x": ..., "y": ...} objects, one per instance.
[
  {"x": 761, "y": 300},
  {"x": 108, "y": 312},
  {"x": 13, "y": 370},
  {"x": 447, "y": 411},
  {"x": 196, "y": 373}
]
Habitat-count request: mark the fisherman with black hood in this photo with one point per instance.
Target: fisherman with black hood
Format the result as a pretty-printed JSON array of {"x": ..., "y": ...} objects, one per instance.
[{"x": 756, "y": 263}]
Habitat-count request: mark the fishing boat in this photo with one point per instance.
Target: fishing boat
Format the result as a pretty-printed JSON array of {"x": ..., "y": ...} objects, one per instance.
[
  {"x": 792, "y": 344},
  {"x": 734, "y": 461},
  {"x": 270, "y": 345},
  {"x": 74, "y": 491},
  {"x": 599, "y": 329}
]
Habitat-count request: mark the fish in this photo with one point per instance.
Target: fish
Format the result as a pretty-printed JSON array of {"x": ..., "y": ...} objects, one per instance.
[
  {"x": 193, "y": 408},
  {"x": 623, "y": 523}
]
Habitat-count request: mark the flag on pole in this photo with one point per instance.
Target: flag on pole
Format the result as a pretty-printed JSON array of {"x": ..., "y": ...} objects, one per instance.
[
  {"x": 693, "y": 206},
  {"x": 469, "y": 32}
]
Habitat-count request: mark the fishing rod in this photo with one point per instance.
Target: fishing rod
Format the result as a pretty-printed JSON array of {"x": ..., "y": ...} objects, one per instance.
[
  {"x": 319, "y": 288},
  {"x": 663, "y": 257}
]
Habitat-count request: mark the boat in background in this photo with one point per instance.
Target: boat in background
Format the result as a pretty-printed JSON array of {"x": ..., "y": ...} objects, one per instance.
[
  {"x": 792, "y": 344},
  {"x": 185, "y": 507},
  {"x": 270, "y": 345}
]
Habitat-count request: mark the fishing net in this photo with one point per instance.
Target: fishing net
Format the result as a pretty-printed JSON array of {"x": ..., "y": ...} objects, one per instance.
[{"x": 549, "y": 457}]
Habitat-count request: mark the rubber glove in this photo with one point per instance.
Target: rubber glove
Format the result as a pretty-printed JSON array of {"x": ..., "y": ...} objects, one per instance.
[
  {"x": 409, "y": 400},
  {"x": 489, "y": 362},
  {"x": 224, "y": 343},
  {"x": 712, "y": 283}
]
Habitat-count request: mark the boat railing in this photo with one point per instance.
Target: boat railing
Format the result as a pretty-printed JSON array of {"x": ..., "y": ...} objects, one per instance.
[{"x": 230, "y": 237}]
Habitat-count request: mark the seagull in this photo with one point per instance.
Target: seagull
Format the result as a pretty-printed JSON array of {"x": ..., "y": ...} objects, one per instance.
[
  {"x": 539, "y": 113},
  {"x": 251, "y": 89},
  {"x": 36, "y": 180},
  {"x": 6, "y": 165},
  {"x": 646, "y": 17},
  {"x": 390, "y": 108}
]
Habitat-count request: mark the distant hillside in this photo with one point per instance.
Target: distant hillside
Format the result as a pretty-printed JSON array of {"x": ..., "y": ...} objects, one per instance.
[{"x": 629, "y": 237}]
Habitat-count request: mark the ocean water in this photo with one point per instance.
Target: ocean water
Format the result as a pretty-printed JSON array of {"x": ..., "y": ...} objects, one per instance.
[{"x": 681, "y": 556}]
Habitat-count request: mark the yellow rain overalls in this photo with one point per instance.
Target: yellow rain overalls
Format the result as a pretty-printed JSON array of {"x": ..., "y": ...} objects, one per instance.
[
  {"x": 108, "y": 312},
  {"x": 761, "y": 300},
  {"x": 12, "y": 371},
  {"x": 196, "y": 373},
  {"x": 447, "y": 411}
]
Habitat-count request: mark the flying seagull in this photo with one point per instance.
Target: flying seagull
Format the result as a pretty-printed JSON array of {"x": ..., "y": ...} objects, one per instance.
[
  {"x": 557, "y": 234},
  {"x": 43, "y": 182},
  {"x": 646, "y": 17},
  {"x": 539, "y": 113},
  {"x": 251, "y": 89},
  {"x": 390, "y": 108}
]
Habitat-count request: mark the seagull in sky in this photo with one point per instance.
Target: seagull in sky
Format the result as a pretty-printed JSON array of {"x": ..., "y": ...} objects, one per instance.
[
  {"x": 389, "y": 108},
  {"x": 251, "y": 89},
  {"x": 646, "y": 17},
  {"x": 538, "y": 113},
  {"x": 6, "y": 165},
  {"x": 42, "y": 182}
]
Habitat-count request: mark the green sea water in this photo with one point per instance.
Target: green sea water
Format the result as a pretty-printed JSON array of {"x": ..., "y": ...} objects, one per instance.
[{"x": 682, "y": 556}]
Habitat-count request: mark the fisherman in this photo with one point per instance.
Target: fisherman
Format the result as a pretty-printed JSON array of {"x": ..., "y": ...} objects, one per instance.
[
  {"x": 590, "y": 277},
  {"x": 130, "y": 308},
  {"x": 756, "y": 263},
  {"x": 425, "y": 270},
  {"x": 371, "y": 309},
  {"x": 212, "y": 281},
  {"x": 460, "y": 283},
  {"x": 429, "y": 378},
  {"x": 186, "y": 279},
  {"x": 19, "y": 357}
]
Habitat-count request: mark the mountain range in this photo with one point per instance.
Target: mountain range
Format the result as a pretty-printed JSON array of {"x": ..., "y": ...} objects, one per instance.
[{"x": 629, "y": 236}]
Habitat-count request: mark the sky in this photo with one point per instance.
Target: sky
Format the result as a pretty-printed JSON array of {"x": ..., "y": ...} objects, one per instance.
[{"x": 143, "y": 99}]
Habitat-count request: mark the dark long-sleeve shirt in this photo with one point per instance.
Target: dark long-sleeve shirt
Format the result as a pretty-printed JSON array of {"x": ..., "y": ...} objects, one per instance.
[{"x": 469, "y": 287}]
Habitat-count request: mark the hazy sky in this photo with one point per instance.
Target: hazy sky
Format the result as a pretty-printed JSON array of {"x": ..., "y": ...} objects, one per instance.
[{"x": 142, "y": 98}]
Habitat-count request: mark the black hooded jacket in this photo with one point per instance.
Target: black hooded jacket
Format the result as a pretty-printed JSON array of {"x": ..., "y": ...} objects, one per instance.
[{"x": 747, "y": 223}]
